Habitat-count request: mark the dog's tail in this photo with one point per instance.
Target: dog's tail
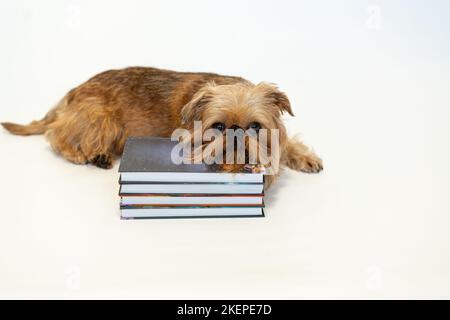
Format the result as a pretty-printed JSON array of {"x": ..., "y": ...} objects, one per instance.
[{"x": 35, "y": 127}]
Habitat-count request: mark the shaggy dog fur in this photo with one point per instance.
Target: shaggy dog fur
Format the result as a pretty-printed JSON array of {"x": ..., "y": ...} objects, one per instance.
[{"x": 92, "y": 122}]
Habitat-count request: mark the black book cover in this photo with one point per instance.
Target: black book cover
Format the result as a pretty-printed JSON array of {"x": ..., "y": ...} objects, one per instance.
[{"x": 153, "y": 154}]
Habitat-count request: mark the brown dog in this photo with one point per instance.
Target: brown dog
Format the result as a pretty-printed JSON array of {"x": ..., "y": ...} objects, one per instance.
[{"x": 92, "y": 122}]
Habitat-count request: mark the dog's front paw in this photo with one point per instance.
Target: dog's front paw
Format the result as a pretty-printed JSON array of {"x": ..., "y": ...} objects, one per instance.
[
  {"x": 310, "y": 163},
  {"x": 301, "y": 158}
]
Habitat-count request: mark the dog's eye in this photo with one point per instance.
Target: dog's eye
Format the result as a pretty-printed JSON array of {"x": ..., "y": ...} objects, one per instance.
[
  {"x": 219, "y": 126},
  {"x": 254, "y": 126}
]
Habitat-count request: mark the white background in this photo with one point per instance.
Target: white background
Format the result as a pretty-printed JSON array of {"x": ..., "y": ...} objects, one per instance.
[{"x": 369, "y": 82}]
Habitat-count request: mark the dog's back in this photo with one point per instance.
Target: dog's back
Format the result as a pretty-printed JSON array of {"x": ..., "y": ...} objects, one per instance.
[{"x": 93, "y": 120}]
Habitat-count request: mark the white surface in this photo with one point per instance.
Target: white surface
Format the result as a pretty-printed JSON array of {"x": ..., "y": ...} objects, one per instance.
[{"x": 369, "y": 82}]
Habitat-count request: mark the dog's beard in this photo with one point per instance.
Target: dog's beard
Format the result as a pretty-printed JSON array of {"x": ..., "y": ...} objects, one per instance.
[{"x": 253, "y": 152}]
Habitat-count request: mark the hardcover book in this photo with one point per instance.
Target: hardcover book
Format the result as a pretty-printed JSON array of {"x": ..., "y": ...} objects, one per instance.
[
  {"x": 152, "y": 186},
  {"x": 148, "y": 159}
]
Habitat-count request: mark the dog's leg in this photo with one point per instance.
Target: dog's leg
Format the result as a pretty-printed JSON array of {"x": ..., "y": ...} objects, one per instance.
[
  {"x": 86, "y": 136},
  {"x": 104, "y": 161},
  {"x": 269, "y": 179},
  {"x": 298, "y": 156},
  {"x": 100, "y": 141},
  {"x": 64, "y": 140}
]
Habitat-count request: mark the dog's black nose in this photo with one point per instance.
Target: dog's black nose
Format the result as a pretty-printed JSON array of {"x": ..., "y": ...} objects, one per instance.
[{"x": 235, "y": 127}]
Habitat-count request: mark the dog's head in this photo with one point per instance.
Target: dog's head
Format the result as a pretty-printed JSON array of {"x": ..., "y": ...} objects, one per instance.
[{"x": 241, "y": 106}]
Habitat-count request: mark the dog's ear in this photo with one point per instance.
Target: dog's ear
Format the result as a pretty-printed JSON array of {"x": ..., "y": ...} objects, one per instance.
[
  {"x": 278, "y": 98},
  {"x": 192, "y": 111}
]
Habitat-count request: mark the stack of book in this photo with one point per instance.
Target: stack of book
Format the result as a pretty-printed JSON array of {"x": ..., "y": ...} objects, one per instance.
[{"x": 152, "y": 186}]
